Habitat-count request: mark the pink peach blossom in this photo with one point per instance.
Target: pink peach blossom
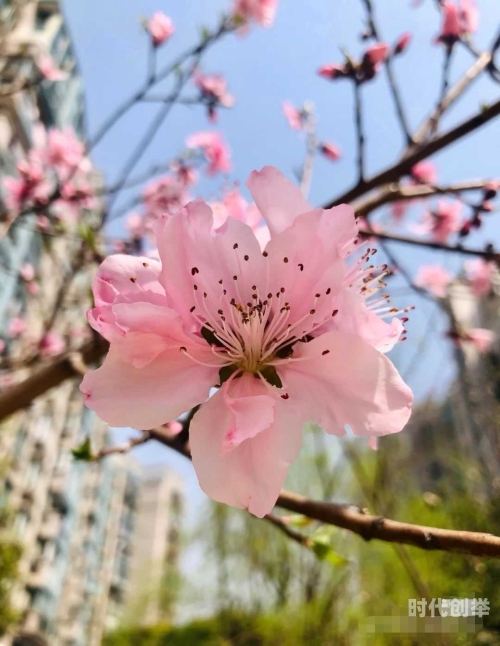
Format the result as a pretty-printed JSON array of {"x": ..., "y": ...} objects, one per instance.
[
  {"x": 215, "y": 149},
  {"x": 293, "y": 115},
  {"x": 161, "y": 28},
  {"x": 459, "y": 20},
  {"x": 480, "y": 338},
  {"x": 332, "y": 71},
  {"x": 425, "y": 172},
  {"x": 479, "y": 273},
  {"x": 49, "y": 70},
  {"x": 331, "y": 151},
  {"x": 234, "y": 205},
  {"x": 377, "y": 54},
  {"x": 402, "y": 42},
  {"x": 163, "y": 196},
  {"x": 443, "y": 221},
  {"x": 213, "y": 88},
  {"x": 291, "y": 335},
  {"x": 16, "y": 327},
  {"x": 52, "y": 344},
  {"x": 262, "y": 12},
  {"x": 434, "y": 278}
]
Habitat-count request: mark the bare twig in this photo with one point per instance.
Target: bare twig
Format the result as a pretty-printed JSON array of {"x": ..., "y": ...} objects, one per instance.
[
  {"x": 288, "y": 531},
  {"x": 403, "y": 166},
  {"x": 360, "y": 133},
  {"x": 371, "y": 527},
  {"x": 311, "y": 147},
  {"x": 485, "y": 253},
  {"x": 125, "y": 447},
  {"x": 396, "y": 95}
]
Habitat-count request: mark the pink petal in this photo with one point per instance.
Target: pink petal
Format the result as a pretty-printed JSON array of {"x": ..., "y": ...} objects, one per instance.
[
  {"x": 195, "y": 261},
  {"x": 278, "y": 199},
  {"x": 146, "y": 397},
  {"x": 347, "y": 382},
  {"x": 251, "y": 474}
]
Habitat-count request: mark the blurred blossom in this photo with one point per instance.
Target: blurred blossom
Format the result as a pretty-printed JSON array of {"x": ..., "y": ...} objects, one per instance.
[
  {"x": 186, "y": 174},
  {"x": 479, "y": 337},
  {"x": 213, "y": 90},
  {"x": 27, "y": 272},
  {"x": 402, "y": 43},
  {"x": 425, "y": 172},
  {"x": 377, "y": 54},
  {"x": 52, "y": 344},
  {"x": 262, "y": 12},
  {"x": 459, "y": 20},
  {"x": 234, "y": 204},
  {"x": 293, "y": 116},
  {"x": 330, "y": 151},
  {"x": 443, "y": 221},
  {"x": 434, "y": 278},
  {"x": 16, "y": 327},
  {"x": 164, "y": 195},
  {"x": 216, "y": 151},
  {"x": 49, "y": 70},
  {"x": 161, "y": 28},
  {"x": 479, "y": 274}
]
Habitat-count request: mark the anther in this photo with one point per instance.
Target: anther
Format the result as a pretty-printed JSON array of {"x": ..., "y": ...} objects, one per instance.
[
  {"x": 193, "y": 308},
  {"x": 265, "y": 254},
  {"x": 335, "y": 312},
  {"x": 235, "y": 245},
  {"x": 312, "y": 311},
  {"x": 325, "y": 352},
  {"x": 300, "y": 266},
  {"x": 145, "y": 264},
  {"x": 285, "y": 259},
  {"x": 285, "y": 396},
  {"x": 195, "y": 271},
  {"x": 133, "y": 279},
  {"x": 328, "y": 291},
  {"x": 246, "y": 257}
]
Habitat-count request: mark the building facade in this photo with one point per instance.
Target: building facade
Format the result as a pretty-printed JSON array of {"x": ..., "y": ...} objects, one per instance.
[{"x": 79, "y": 524}]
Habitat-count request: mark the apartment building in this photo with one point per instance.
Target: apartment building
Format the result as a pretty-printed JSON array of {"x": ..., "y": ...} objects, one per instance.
[{"x": 80, "y": 524}]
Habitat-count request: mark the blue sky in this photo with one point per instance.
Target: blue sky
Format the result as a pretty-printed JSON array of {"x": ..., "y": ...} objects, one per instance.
[{"x": 268, "y": 66}]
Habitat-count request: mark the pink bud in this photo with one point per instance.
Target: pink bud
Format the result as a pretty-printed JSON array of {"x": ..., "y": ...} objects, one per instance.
[
  {"x": 377, "y": 54},
  {"x": 331, "y": 151},
  {"x": 161, "y": 28},
  {"x": 332, "y": 72},
  {"x": 402, "y": 42}
]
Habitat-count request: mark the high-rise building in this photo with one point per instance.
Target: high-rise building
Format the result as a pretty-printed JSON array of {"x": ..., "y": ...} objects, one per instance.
[{"x": 80, "y": 524}]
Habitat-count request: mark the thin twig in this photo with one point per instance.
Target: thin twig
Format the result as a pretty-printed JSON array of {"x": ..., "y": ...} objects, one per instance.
[
  {"x": 396, "y": 95},
  {"x": 360, "y": 134},
  {"x": 125, "y": 447},
  {"x": 403, "y": 166}
]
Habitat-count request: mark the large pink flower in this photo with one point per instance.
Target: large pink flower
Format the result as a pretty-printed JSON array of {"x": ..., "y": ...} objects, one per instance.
[
  {"x": 290, "y": 334},
  {"x": 215, "y": 149}
]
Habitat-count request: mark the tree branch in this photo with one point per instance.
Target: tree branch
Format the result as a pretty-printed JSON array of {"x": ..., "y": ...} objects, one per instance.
[
  {"x": 486, "y": 254},
  {"x": 403, "y": 166},
  {"x": 369, "y": 527}
]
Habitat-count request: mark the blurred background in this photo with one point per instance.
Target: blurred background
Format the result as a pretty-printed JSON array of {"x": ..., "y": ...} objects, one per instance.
[{"x": 128, "y": 550}]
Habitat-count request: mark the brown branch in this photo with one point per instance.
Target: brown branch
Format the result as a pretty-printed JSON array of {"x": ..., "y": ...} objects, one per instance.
[
  {"x": 403, "y": 166},
  {"x": 395, "y": 192},
  {"x": 482, "y": 253},
  {"x": 311, "y": 147},
  {"x": 47, "y": 376},
  {"x": 288, "y": 531},
  {"x": 452, "y": 95},
  {"x": 368, "y": 527}
]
